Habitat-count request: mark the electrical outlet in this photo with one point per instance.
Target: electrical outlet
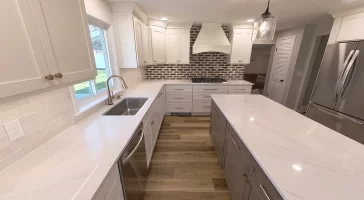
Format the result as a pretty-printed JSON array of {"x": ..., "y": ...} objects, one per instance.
[{"x": 14, "y": 130}]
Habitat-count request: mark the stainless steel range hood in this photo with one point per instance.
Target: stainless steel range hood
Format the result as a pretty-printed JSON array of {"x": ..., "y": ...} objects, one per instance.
[{"x": 211, "y": 38}]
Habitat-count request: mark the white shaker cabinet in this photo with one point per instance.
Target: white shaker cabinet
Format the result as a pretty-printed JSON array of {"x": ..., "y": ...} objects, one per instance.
[
  {"x": 141, "y": 39},
  {"x": 43, "y": 39},
  {"x": 241, "y": 42},
  {"x": 178, "y": 46},
  {"x": 111, "y": 188},
  {"x": 63, "y": 27},
  {"x": 158, "y": 35},
  {"x": 352, "y": 28}
]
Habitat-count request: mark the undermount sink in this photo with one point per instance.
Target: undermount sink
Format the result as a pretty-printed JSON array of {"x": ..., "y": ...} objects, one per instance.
[{"x": 128, "y": 106}]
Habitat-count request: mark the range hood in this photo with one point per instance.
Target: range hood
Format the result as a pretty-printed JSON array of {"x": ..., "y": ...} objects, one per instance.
[{"x": 211, "y": 38}]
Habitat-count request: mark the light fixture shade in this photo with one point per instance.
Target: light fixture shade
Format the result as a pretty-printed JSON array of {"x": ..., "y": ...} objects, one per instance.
[{"x": 264, "y": 28}]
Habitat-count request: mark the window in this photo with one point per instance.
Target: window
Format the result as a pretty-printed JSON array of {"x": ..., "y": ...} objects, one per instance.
[{"x": 90, "y": 89}]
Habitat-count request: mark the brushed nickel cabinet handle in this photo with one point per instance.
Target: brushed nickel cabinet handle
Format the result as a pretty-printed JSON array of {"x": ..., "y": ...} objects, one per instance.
[
  {"x": 210, "y": 89},
  {"x": 236, "y": 145},
  {"x": 179, "y": 108},
  {"x": 179, "y": 98},
  {"x": 207, "y": 97},
  {"x": 179, "y": 89},
  {"x": 49, "y": 77},
  {"x": 206, "y": 107},
  {"x": 58, "y": 75},
  {"x": 265, "y": 192}
]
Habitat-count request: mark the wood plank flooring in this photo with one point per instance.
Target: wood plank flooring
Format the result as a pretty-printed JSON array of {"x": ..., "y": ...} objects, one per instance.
[{"x": 184, "y": 165}]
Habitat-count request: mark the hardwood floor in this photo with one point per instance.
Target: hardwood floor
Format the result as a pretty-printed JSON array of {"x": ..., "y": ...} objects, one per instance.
[{"x": 184, "y": 165}]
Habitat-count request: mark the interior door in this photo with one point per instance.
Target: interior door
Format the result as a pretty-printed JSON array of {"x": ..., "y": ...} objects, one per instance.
[
  {"x": 65, "y": 36},
  {"x": 172, "y": 41},
  {"x": 336, "y": 58},
  {"x": 184, "y": 46},
  {"x": 282, "y": 59},
  {"x": 23, "y": 64},
  {"x": 351, "y": 95},
  {"x": 341, "y": 123}
]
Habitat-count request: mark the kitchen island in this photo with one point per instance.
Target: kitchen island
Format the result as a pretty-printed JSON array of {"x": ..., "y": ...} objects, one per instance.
[{"x": 299, "y": 158}]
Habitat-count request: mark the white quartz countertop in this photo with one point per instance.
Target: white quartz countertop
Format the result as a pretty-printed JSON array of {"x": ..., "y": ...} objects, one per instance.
[
  {"x": 303, "y": 159},
  {"x": 73, "y": 164}
]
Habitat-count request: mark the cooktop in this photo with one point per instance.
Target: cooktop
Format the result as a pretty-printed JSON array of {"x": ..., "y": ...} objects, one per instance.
[{"x": 208, "y": 80}]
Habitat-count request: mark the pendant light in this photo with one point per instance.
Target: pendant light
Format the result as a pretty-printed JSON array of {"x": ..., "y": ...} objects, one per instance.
[{"x": 265, "y": 26}]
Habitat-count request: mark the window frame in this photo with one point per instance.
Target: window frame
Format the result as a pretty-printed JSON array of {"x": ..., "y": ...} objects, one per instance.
[{"x": 96, "y": 96}]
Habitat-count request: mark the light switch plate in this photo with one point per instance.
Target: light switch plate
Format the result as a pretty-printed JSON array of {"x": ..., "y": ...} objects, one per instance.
[{"x": 14, "y": 130}]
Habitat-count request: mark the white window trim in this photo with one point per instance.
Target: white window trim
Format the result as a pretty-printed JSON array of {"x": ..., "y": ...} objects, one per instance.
[{"x": 86, "y": 104}]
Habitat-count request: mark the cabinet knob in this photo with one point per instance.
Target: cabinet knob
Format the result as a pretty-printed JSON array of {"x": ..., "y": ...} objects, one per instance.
[
  {"x": 49, "y": 77},
  {"x": 58, "y": 75},
  {"x": 245, "y": 178},
  {"x": 152, "y": 123},
  {"x": 145, "y": 61},
  {"x": 155, "y": 61}
]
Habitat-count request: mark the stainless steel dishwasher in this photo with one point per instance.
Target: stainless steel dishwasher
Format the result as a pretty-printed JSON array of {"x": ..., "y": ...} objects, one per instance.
[{"x": 133, "y": 167}]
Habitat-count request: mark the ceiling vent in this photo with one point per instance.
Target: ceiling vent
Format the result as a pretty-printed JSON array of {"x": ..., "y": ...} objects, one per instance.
[{"x": 211, "y": 38}]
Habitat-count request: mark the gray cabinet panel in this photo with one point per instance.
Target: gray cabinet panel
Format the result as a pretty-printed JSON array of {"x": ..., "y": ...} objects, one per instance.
[{"x": 217, "y": 132}]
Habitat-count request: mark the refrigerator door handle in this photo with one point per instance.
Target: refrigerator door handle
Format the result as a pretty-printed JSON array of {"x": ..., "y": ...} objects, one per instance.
[
  {"x": 339, "y": 80},
  {"x": 347, "y": 71},
  {"x": 338, "y": 115}
]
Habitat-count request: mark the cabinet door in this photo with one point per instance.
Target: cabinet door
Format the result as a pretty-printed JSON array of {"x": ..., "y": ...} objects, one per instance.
[
  {"x": 235, "y": 56},
  {"x": 252, "y": 193},
  {"x": 241, "y": 46},
  {"x": 158, "y": 45},
  {"x": 139, "y": 42},
  {"x": 145, "y": 44},
  {"x": 147, "y": 129},
  {"x": 66, "y": 40},
  {"x": 172, "y": 43},
  {"x": 111, "y": 188},
  {"x": 184, "y": 46},
  {"x": 247, "y": 46},
  {"x": 349, "y": 30},
  {"x": 23, "y": 64}
]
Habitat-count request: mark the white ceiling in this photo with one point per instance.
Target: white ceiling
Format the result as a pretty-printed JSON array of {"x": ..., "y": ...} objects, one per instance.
[{"x": 288, "y": 12}]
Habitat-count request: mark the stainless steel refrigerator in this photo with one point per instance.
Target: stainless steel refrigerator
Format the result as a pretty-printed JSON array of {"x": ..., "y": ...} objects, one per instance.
[{"x": 338, "y": 97}]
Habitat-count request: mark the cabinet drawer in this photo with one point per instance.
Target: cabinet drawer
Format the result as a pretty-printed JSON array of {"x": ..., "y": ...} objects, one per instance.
[
  {"x": 178, "y": 97},
  {"x": 240, "y": 89},
  {"x": 179, "y": 107},
  {"x": 201, "y": 97},
  {"x": 179, "y": 88},
  {"x": 204, "y": 107},
  {"x": 259, "y": 180},
  {"x": 210, "y": 89}
]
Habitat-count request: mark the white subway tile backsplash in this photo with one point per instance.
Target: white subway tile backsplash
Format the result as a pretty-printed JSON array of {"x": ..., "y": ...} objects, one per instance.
[
  {"x": 4, "y": 141},
  {"x": 42, "y": 116},
  {"x": 32, "y": 108},
  {"x": 8, "y": 116},
  {"x": 6, "y": 105},
  {"x": 42, "y": 96},
  {"x": 58, "y": 99},
  {"x": 28, "y": 120}
]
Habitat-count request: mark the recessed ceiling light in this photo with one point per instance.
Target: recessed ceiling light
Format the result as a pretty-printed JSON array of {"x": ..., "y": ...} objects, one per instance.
[
  {"x": 250, "y": 20},
  {"x": 164, "y": 19}
]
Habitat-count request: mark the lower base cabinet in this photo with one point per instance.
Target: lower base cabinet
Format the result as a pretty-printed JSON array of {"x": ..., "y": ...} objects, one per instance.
[
  {"x": 244, "y": 177},
  {"x": 152, "y": 122},
  {"x": 111, "y": 188}
]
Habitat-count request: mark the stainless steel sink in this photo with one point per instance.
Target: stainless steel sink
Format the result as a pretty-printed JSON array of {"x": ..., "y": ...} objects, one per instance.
[{"x": 129, "y": 106}]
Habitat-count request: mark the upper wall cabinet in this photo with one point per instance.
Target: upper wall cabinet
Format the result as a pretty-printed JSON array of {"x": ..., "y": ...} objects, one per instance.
[
  {"x": 46, "y": 43},
  {"x": 141, "y": 39},
  {"x": 131, "y": 40},
  {"x": 347, "y": 25},
  {"x": 158, "y": 37},
  {"x": 178, "y": 46},
  {"x": 241, "y": 42}
]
